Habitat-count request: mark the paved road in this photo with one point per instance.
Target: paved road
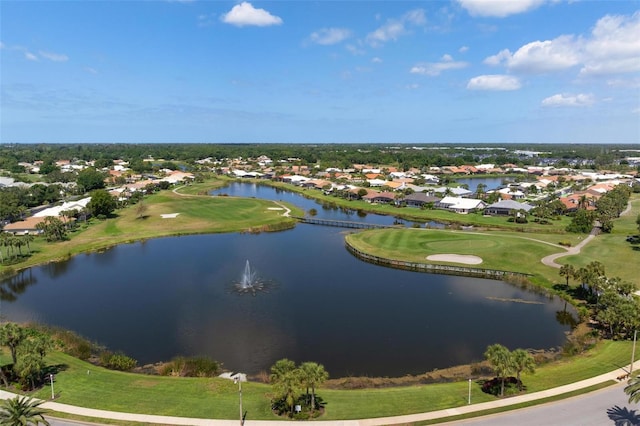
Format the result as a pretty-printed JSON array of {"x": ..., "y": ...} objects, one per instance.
[{"x": 601, "y": 408}]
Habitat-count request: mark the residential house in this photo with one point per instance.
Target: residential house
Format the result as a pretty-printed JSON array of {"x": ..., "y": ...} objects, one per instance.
[
  {"x": 506, "y": 208},
  {"x": 460, "y": 205},
  {"x": 419, "y": 199}
]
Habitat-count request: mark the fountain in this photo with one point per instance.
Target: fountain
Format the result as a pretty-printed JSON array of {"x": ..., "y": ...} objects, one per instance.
[{"x": 249, "y": 281}]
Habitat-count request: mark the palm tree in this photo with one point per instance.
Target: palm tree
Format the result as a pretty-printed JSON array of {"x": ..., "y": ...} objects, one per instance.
[
  {"x": 567, "y": 271},
  {"x": 500, "y": 359},
  {"x": 280, "y": 369},
  {"x": 28, "y": 239},
  {"x": 633, "y": 389},
  {"x": 22, "y": 411},
  {"x": 313, "y": 374},
  {"x": 522, "y": 362},
  {"x": 11, "y": 335},
  {"x": 289, "y": 388}
]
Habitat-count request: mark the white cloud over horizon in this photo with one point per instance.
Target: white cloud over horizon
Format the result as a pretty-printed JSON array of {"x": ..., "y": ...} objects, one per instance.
[
  {"x": 568, "y": 100},
  {"x": 613, "y": 47},
  {"x": 435, "y": 68},
  {"x": 494, "y": 82},
  {"x": 395, "y": 28},
  {"x": 329, "y": 36},
  {"x": 498, "y": 8},
  {"x": 244, "y": 14},
  {"x": 55, "y": 57}
]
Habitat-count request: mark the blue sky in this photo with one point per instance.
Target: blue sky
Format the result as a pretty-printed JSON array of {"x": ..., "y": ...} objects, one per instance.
[{"x": 320, "y": 71}]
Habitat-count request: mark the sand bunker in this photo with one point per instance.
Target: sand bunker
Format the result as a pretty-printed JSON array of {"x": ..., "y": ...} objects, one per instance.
[
  {"x": 169, "y": 215},
  {"x": 275, "y": 208},
  {"x": 457, "y": 258}
]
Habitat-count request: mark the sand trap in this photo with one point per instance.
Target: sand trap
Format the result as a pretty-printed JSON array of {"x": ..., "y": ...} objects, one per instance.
[
  {"x": 169, "y": 215},
  {"x": 457, "y": 258},
  {"x": 275, "y": 208}
]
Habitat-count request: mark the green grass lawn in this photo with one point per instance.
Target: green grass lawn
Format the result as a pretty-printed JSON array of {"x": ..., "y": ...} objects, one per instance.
[
  {"x": 197, "y": 214},
  {"x": 620, "y": 258},
  {"x": 85, "y": 385},
  {"x": 514, "y": 252}
]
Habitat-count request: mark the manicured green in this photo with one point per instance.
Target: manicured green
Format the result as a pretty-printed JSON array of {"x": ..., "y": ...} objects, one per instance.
[
  {"x": 620, "y": 257},
  {"x": 85, "y": 385},
  {"x": 197, "y": 214},
  {"x": 514, "y": 252}
]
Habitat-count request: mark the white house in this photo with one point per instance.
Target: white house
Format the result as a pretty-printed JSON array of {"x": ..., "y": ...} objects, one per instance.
[{"x": 460, "y": 205}]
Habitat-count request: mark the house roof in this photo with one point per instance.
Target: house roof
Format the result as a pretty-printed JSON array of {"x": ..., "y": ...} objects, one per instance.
[
  {"x": 421, "y": 196},
  {"x": 510, "y": 205},
  {"x": 462, "y": 203}
]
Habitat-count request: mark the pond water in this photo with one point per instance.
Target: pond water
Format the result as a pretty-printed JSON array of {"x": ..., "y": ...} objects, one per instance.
[
  {"x": 176, "y": 296},
  {"x": 491, "y": 183}
]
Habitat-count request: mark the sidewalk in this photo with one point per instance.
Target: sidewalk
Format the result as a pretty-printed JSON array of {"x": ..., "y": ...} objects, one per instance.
[{"x": 167, "y": 420}]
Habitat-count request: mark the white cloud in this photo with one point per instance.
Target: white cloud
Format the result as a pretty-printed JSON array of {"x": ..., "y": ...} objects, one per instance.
[
  {"x": 395, "y": 28},
  {"x": 91, "y": 70},
  {"x": 354, "y": 50},
  {"x": 376, "y": 60},
  {"x": 463, "y": 49},
  {"x": 435, "y": 68},
  {"x": 328, "y": 36},
  {"x": 413, "y": 86},
  {"x": 245, "y": 14},
  {"x": 494, "y": 82},
  {"x": 614, "y": 46},
  {"x": 502, "y": 57},
  {"x": 562, "y": 100},
  {"x": 55, "y": 57},
  {"x": 498, "y": 8},
  {"x": 540, "y": 56},
  {"x": 30, "y": 56}
]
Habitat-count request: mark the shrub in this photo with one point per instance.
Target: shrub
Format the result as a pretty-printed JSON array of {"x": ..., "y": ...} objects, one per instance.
[
  {"x": 191, "y": 367},
  {"x": 117, "y": 361}
]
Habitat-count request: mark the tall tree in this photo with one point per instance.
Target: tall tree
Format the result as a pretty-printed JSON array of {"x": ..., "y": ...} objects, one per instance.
[
  {"x": 500, "y": 359},
  {"x": 522, "y": 362},
  {"x": 22, "y": 411},
  {"x": 567, "y": 271},
  {"x": 289, "y": 388},
  {"x": 11, "y": 335},
  {"x": 313, "y": 374},
  {"x": 90, "y": 179},
  {"x": 102, "y": 203},
  {"x": 280, "y": 369}
]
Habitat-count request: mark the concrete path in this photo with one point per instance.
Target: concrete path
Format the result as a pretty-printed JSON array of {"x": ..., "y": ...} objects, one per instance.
[
  {"x": 551, "y": 259},
  {"x": 167, "y": 420}
]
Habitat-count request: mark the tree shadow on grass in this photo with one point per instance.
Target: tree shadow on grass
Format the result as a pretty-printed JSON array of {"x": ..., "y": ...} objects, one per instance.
[
  {"x": 54, "y": 369},
  {"x": 622, "y": 416}
]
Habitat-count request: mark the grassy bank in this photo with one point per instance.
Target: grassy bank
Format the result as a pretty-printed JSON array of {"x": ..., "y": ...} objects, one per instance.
[
  {"x": 620, "y": 257},
  {"x": 83, "y": 384},
  {"x": 509, "y": 251},
  {"x": 514, "y": 252},
  {"x": 195, "y": 215}
]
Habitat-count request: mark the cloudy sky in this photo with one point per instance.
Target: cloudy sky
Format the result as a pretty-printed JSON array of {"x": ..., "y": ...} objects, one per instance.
[{"x": 320, "y": 71}]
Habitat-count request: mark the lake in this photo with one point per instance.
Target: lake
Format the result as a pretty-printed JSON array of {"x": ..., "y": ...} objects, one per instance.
[{"x": 175, "y": 296}]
